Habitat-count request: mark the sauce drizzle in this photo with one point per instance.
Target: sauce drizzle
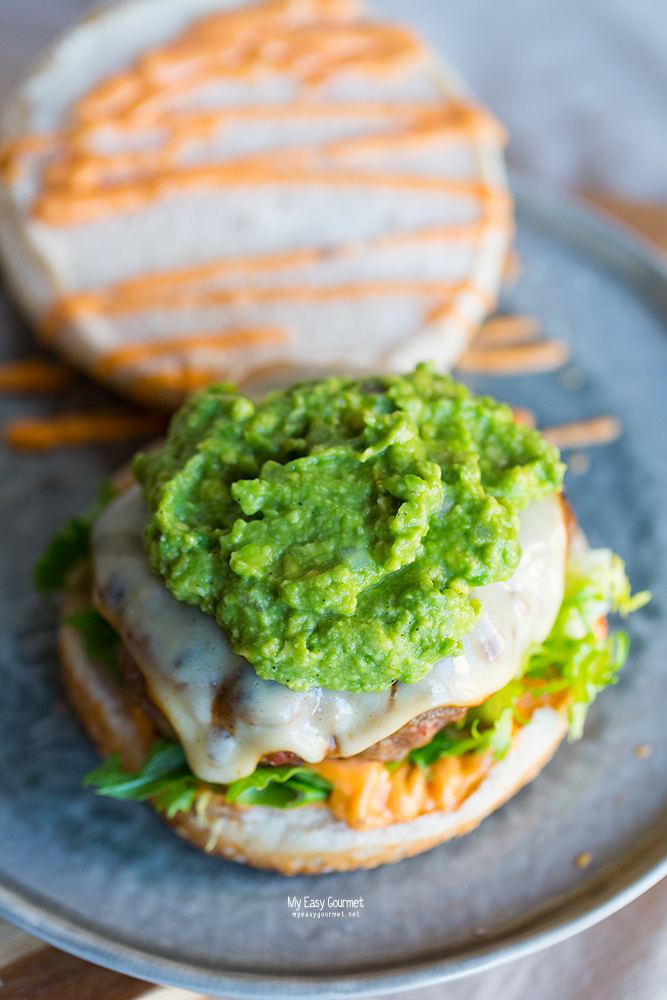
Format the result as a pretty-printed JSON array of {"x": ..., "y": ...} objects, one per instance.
[{"x": 150, "y": 133}]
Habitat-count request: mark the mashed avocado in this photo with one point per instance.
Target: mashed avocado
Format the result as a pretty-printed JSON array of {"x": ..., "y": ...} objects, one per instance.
[{"x": 335, "y": 529}]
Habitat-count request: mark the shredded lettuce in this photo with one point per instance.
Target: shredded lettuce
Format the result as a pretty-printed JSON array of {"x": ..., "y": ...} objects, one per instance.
[
  {"x": 576, "y": 655},
  {"x": 101, "y": 641},
  {"x": 576, "y": 658},
  {"x": 71, "y": 545}
]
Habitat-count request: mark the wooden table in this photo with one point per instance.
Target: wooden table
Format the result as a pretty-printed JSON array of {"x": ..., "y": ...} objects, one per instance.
[{"x": 31, "y": 970}]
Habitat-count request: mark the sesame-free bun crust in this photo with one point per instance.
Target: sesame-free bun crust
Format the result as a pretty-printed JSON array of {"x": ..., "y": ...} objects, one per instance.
[
  {"x": 113, "y": 722},
  {"x": 311, "y": 840},
  {"x": 307, "y": 839},
  {"x": 263, "y": 337}
]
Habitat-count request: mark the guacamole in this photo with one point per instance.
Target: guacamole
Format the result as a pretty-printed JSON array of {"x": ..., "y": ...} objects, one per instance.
[{"x": 335, "y": 529}]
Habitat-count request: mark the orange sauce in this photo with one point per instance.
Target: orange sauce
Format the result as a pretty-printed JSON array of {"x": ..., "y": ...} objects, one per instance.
[
  {"x": 227, "y": 341},
  {"x": 154, "y": 108},
  {"x": 34, "y": 375},
  {"x": 162, "y": 387},
  {"x": 182, "y": 287},
  {"x": 61, "y": 208},
  {"x": 530, "y": 701},
  {"x": 99, "y": 427},
  {"x": 14, "y": 150},
  {"x": 367, "y": 795},
  {"x": 176, "y": 298}
]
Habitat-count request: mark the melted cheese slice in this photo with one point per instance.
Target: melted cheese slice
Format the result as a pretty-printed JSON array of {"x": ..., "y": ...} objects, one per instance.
[{"x": 228, "y": 718}]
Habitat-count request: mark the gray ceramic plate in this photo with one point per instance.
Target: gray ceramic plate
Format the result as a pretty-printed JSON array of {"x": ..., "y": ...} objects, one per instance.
[{"x": 108, "y": 881}]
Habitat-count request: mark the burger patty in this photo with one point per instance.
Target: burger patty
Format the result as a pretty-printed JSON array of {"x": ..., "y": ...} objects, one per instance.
[
  {"x": 136, "y": 683},
  {"x": 416, "y": 733}
]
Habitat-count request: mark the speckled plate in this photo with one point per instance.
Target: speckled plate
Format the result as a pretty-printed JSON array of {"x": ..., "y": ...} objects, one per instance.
[{"x": 107, "y": 881}]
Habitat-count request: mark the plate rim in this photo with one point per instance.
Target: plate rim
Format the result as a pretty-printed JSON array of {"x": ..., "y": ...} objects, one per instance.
[{"x": 638, "y": 265}]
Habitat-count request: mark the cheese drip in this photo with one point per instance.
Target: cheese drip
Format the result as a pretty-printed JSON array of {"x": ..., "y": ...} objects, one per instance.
[{"x": 228, "y": 718}]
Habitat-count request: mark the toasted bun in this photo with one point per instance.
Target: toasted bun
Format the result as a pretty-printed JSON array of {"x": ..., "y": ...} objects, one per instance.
[
  {"x": 308, "y": 839},
  {"x": 111, "y": 719},
  {"x": 185, "y": 328}
]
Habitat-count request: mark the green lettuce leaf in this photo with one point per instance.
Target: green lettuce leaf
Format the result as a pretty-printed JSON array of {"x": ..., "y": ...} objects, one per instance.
[
  {"x": 449, "y": 742},
  {"x": 101, "y": 642},
  {"x": 165, "y": 778},
  {"x": 70, "y": 546},
  {"x": 472, "y": 734},
  {"x": 284, "y": 787}
]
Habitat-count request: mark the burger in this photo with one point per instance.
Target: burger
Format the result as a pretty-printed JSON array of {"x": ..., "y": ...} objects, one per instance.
[{"x": 337, "y": 627}]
